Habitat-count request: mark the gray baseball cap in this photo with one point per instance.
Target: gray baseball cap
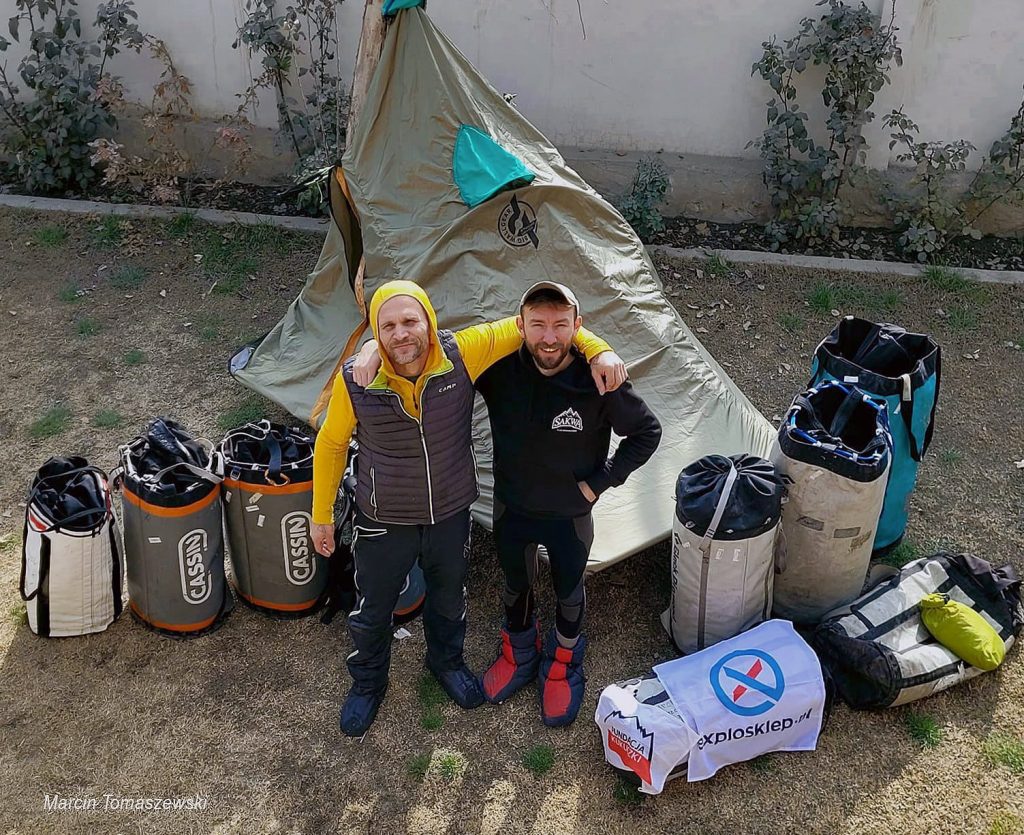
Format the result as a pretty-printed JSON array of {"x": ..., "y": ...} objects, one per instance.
[{"x": 554, "y": 287}]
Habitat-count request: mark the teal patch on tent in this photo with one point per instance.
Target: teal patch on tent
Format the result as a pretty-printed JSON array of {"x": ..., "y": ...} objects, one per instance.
[
  {"x": 482, "y": 168},
  {"x": 394, "y": 6}
]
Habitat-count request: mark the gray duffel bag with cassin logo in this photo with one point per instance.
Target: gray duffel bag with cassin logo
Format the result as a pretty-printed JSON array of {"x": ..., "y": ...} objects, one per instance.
[
  {"x": 173, "y": 531},
  {"x": 268, "y": 498}
]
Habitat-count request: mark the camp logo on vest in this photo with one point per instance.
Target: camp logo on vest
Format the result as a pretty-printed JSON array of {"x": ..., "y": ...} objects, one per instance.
[
  {"x": 517, "y": 223},
  {"x": 748, "y": 682},
  {"x": 196, "y": 583},
  {"x": 568, "y": 421},
  {"x": 635, "y": 750},
  {"x": 299, "y": 565}
]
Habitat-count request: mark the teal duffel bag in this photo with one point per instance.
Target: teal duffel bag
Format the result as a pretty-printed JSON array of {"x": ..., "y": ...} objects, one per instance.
[{"x": 904, "y": 370}]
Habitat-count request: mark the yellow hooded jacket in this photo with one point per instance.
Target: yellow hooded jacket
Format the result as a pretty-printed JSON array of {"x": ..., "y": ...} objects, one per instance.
[{"x": 480, "y": 346}]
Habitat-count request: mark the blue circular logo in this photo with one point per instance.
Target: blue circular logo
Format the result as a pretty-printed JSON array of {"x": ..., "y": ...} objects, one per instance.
[{"x": 747, "y": 682}]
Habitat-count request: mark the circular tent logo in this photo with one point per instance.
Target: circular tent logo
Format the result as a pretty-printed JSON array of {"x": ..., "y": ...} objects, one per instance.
[
  {"x": 748, "y": 682},
  {"x": 517, "y": 223}
]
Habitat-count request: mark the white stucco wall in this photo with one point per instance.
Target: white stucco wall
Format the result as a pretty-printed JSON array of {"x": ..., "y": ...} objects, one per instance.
[{"x": 650, "y": 74}]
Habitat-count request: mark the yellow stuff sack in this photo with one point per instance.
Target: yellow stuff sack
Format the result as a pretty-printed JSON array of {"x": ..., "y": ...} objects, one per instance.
[{"x": 962, "y": 630}]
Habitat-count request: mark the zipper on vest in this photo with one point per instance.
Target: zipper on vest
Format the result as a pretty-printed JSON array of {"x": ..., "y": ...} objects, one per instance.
[
  {"x": 423, "y": 440},
  {"x": 373, "y": 492},
  {"x": 426, "y": 456}
]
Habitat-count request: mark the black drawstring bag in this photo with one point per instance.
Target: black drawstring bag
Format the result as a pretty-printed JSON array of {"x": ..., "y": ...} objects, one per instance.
[
  {"x": 754, "y": 504},
  {"x": 70, "y": 493}
]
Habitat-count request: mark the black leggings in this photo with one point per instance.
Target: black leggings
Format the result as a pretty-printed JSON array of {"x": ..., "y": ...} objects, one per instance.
[{"x": 568, "y": 544}]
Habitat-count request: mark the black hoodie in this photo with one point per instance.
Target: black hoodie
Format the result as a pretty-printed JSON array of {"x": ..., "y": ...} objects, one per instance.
[{"x": 551, "y": 432}]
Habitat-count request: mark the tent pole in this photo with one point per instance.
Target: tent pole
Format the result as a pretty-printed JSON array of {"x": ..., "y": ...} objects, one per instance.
[{"x": 371, "y": 42}]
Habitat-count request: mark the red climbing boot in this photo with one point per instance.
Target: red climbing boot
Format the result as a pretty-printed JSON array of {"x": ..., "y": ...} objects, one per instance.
[
  {"x": 561, "y": 681},
  {"x": 516, "y": 666}
]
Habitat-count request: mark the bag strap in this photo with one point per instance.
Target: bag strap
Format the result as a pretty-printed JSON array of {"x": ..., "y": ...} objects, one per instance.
[
  {"x": 115, "y": 571},
  {"x": 802, "y": 402},
  {"x": 74, "y": 517},
  {"x": 202, "y": 473},
  {"x": 274, "y": 467},
  {"x": 854, "y": 397},
  {"x": 723, "y": 501},
  {"x": 24, "y": 562},
  {"x": 917, "y": 450},
  {"x": 931, "y": 418}
]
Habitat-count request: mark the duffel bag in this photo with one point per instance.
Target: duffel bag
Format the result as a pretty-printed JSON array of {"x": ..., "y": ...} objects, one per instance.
[{"x": 879, "y": 651}]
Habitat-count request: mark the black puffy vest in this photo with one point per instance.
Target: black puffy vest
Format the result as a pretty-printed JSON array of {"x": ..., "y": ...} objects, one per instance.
[{"x": 416, "y": 472}]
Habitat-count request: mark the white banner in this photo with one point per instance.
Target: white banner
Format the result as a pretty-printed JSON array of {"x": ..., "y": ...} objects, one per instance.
[{"x": 758, "y": 692}]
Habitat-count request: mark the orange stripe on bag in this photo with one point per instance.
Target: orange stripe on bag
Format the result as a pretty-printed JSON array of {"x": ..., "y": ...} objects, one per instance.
[
  {"x": 171, "y": 512},
  {"x": 172, "y": 627},
  {"x": 280, "y": 607}
]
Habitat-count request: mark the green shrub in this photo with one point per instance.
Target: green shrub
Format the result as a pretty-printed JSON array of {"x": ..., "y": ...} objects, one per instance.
[
  {"x": 88, "y": 327},
  {"x": 805, "y": 179},
  {"x": 108, "y": 234},
  {"x": 451, "y": 765},
  {"x": 640, "y": 206},
  {"x": 68, "y": 94},
  {"x": 903, "y": 553},
  {"x": 181, "y": 224},
  {"x": 418, "y": 766},
  {"x": 246, "y": 412}
]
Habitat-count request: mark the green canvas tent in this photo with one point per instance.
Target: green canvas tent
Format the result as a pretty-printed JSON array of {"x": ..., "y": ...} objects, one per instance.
[{"x": 444, "y": 183}]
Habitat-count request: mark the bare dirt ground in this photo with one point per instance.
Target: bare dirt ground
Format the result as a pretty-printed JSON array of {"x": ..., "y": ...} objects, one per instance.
[{"x": 246, "y": 717}]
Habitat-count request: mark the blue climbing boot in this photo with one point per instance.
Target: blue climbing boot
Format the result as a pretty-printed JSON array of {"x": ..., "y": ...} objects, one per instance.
[
  {"x": 561, "y": 681},
  {"x": 359, "y": 710},
  {"x": 461, "y": 686}
]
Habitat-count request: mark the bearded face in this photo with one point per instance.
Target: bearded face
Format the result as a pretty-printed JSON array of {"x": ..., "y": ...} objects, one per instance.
[
  {"x": 403, "y": 331},
  {"x": 548, "y": 330}
]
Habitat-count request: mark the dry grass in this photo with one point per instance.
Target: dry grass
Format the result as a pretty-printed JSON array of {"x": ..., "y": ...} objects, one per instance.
[{"x": 247, "y": 716}]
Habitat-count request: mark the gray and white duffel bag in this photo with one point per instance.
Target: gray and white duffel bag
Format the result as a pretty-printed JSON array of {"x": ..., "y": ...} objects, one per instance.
[
  {"x": 724, "y": 548},
  {"x": 877, "y": 648},
  {"x": 71, "y": 569}
]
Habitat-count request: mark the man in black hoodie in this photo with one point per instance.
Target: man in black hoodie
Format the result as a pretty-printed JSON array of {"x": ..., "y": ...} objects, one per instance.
[{"x": 551, "y": 431}]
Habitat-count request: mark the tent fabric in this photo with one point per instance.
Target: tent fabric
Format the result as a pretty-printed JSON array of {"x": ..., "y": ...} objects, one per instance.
[
  {"x": 407, "y": 218},
  {"x": 482, "y": 168}
]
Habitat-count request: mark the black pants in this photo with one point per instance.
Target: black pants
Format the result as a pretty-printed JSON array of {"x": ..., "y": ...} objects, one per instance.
[
  {"x": 568, "y": 543},
  {"x": 384, "y": 554}
]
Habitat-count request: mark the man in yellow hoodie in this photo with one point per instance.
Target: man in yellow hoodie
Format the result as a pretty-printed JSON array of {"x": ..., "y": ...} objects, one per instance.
[{"x": 416, "y": 481}]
